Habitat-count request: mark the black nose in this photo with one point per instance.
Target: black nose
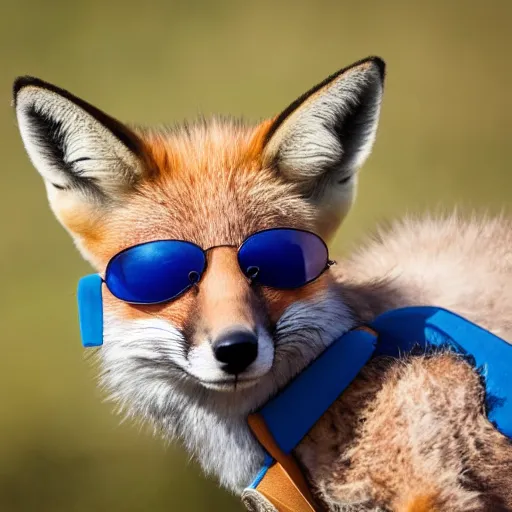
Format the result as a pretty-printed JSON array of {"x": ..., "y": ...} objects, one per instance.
[{"x": 236, "y": 349}]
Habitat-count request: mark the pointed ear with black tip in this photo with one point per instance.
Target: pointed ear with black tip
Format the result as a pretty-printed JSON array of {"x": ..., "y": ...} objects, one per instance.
[
  {"x": 83, "y": 155},
  {"x": 320, "y": 141}
]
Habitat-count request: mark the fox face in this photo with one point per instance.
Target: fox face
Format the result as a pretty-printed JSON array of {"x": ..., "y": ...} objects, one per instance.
[{"x": 212, "y": 183}]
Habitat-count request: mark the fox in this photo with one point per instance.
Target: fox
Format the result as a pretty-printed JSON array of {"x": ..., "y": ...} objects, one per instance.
[{"x": 409, "y": 434}]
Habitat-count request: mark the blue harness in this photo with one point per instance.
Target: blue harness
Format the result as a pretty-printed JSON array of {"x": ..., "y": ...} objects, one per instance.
[
  {"x": 294, "y": 411},
  {"x": 291, "y": 414}
]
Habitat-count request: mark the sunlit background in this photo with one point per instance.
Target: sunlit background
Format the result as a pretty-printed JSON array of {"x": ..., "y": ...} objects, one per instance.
[{"x": 444, "y": 139}]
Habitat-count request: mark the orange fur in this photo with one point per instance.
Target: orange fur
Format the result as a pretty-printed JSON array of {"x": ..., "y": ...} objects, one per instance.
[{"x": 421, "y": 503}]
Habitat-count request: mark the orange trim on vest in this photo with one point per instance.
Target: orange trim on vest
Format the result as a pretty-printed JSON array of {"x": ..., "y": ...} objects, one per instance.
[
  {"x": 367, "y": 329},
  {"x": 280, "y": 489},
  {"x": 284, "y": 484}
]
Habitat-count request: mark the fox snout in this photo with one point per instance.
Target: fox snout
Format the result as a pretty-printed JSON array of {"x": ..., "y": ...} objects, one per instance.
[
  {"x": 230, "y": 340},
  {"x": 226, "y": 300}
]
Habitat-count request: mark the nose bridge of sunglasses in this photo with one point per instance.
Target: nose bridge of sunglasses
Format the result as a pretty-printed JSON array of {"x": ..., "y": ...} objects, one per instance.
[
  {"x": 223, "y": 269},
  {"x": 226, "y": 298}
]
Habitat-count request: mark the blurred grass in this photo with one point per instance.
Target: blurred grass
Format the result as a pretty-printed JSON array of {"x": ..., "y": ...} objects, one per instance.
[{"x": 444, "y": 139}]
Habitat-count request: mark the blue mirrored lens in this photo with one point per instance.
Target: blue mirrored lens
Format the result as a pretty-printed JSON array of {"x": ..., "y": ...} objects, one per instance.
[
  {"x": 283, "y": 258},
  {"x": 155, "y": 271}
]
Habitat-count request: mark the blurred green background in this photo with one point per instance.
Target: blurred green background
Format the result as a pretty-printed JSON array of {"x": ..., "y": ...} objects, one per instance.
[{"x": 444, "y": 139}]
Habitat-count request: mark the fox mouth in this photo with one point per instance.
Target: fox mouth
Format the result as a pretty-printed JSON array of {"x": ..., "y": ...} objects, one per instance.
[{"x": 234, "y": 383}]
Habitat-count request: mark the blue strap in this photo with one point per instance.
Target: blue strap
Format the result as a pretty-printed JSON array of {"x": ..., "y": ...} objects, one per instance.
[
  {"x": 292, "y": 413},
  {"x": 90, "y": 310},
  {"x": 401, "y": 330}
]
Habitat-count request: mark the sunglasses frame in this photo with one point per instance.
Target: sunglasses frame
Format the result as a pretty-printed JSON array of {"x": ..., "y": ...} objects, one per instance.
[{"x": 329, "y": 263}]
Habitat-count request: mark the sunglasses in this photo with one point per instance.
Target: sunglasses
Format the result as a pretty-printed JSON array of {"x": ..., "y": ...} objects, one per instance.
[{"x": 162, "y": 270}]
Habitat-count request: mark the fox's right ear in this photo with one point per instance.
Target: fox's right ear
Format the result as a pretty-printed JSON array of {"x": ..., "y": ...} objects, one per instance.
[
  {"x": 83, "y": 155},
  {"x": 321, "y": 140}
]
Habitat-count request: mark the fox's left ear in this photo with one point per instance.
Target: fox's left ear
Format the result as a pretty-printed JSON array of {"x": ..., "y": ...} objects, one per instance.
[
  {"x": 84, "y": 155},
  {"x": 322, "y": 138}
]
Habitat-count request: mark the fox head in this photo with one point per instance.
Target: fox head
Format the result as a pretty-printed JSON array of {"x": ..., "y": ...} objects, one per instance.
[{"x": 212, "y": 183}]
